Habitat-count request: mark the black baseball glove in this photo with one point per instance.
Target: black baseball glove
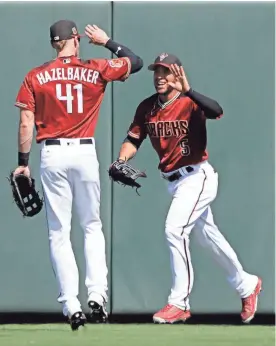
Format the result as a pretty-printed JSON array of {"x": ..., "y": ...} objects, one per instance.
[
  {"x": 25, "y": 195},
  {"x": 123, "y": 173}
]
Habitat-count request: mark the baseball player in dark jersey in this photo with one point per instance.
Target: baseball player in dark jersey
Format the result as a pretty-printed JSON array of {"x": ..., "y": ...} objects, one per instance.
[
  {"x": 62, "y": 99},
  {"x": 174, "y": 119}
]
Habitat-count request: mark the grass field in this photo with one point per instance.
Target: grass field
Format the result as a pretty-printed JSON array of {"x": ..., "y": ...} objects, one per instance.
[{"x": 136, "y": 335}]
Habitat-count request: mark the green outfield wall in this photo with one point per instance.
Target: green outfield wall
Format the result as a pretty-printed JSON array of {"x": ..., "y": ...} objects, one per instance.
[{"x": 228, "y": 51}]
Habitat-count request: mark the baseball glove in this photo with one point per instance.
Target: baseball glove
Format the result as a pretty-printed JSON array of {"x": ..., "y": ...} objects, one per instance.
[
  {"x": 25, "y": 195},
  {"x": 123, "y": 173}
]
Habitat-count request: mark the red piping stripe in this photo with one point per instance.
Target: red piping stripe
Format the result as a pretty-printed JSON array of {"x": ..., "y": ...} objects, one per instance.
[{"x": 185, "y": 245}]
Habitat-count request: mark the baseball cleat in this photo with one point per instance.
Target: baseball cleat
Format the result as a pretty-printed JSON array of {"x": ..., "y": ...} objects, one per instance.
[
  {"x": 77, "y": 320},
  {"x": 171, "y": 314},
  {"x": 249, "y": 304},
  {"x": 98, "y": 313}
]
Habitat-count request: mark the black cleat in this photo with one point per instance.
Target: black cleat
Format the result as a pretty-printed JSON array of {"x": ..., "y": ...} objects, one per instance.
[
  {"x": 98, "y": 313},
  {"x": 77, "y": 320}
]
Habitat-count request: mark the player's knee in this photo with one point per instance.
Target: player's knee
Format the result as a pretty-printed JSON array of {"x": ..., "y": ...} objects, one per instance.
[
  {"x": 172, "y": 231},
  {"x": 178, "y": 232},
  {"x": 58, "y": 238},
  {"x": 92, "y": 226}
]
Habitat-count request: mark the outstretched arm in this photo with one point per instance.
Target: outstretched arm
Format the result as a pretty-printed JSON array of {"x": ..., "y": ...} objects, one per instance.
[
  {"x": 99, "y": 37},
  {"x": 122, "y": 51},
  {"x": 211, "y": 108},
  {"x": 128, "y": 151}
]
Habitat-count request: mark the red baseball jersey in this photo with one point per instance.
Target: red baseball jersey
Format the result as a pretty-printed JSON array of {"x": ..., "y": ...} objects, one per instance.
[
  {"x": 65, "y": 94},
  {"x": 177, "y": 130}
]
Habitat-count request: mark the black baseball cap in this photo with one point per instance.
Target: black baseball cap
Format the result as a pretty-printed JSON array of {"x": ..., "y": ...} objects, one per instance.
[
  {"x": 166, "y": 60},
  {"x": 63, "y": 30}
]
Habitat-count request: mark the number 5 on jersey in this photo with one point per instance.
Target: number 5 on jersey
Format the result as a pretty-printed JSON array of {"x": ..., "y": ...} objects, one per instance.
[
  {"x": 185, "y": 148},
  {"x": 70, "y": 93}
]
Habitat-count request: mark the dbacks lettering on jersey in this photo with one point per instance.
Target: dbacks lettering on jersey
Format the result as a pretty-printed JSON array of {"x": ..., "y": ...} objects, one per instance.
[
  {"x": 177, "y": 131},
  {"x": 175, "y": 128},
  {"x": 70, "y": 73}
]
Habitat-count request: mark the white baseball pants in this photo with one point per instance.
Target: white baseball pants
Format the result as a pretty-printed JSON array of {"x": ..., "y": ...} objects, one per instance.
[
  {"x": 190, "y": 210},
  {"x": 70, "y": 176}
]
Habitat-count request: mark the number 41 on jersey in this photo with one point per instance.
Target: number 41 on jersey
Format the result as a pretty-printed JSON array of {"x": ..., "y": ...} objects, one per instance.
[{"x": 70, "y": 93}]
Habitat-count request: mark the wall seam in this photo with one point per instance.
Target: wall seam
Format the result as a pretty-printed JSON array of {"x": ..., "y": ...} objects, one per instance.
[{"x": 112, "y": 185}]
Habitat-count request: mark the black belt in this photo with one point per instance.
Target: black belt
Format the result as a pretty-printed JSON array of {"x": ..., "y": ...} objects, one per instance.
[
  {"x": 57, "y": 141},
  {"x": 177, "y": 175}
]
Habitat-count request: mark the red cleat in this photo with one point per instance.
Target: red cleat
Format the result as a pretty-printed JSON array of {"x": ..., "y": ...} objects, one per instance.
[
  {"x": 171, "y": 314},
  {"x": 249, "y": 304}
]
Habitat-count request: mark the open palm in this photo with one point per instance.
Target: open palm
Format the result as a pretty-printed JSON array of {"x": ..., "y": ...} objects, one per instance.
[
  {"x": 96, "y": 35},
  {"x": 181, "y": 83}
]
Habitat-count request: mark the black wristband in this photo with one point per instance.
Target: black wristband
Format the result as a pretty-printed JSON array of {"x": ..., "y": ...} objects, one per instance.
[
  {"x": 23, "y": 159},
  {"x": 134, "y": 141}
]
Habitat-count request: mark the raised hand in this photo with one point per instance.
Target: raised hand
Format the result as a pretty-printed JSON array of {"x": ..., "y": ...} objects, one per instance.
[
  {"x": 181, "y": 83},
  {"x": 96, "y": 35}
]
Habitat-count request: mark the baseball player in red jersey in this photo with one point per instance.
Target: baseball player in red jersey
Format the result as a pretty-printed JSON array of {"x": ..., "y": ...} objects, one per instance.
[
  {"x": 175, "y": 120},
  {"x": 62, "y": 98}
]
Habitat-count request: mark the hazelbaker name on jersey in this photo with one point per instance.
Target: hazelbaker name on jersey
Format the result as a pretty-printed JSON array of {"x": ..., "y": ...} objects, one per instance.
[
  {"x": 69, "y": 73},
  {"x": 174, "y": 128}
]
